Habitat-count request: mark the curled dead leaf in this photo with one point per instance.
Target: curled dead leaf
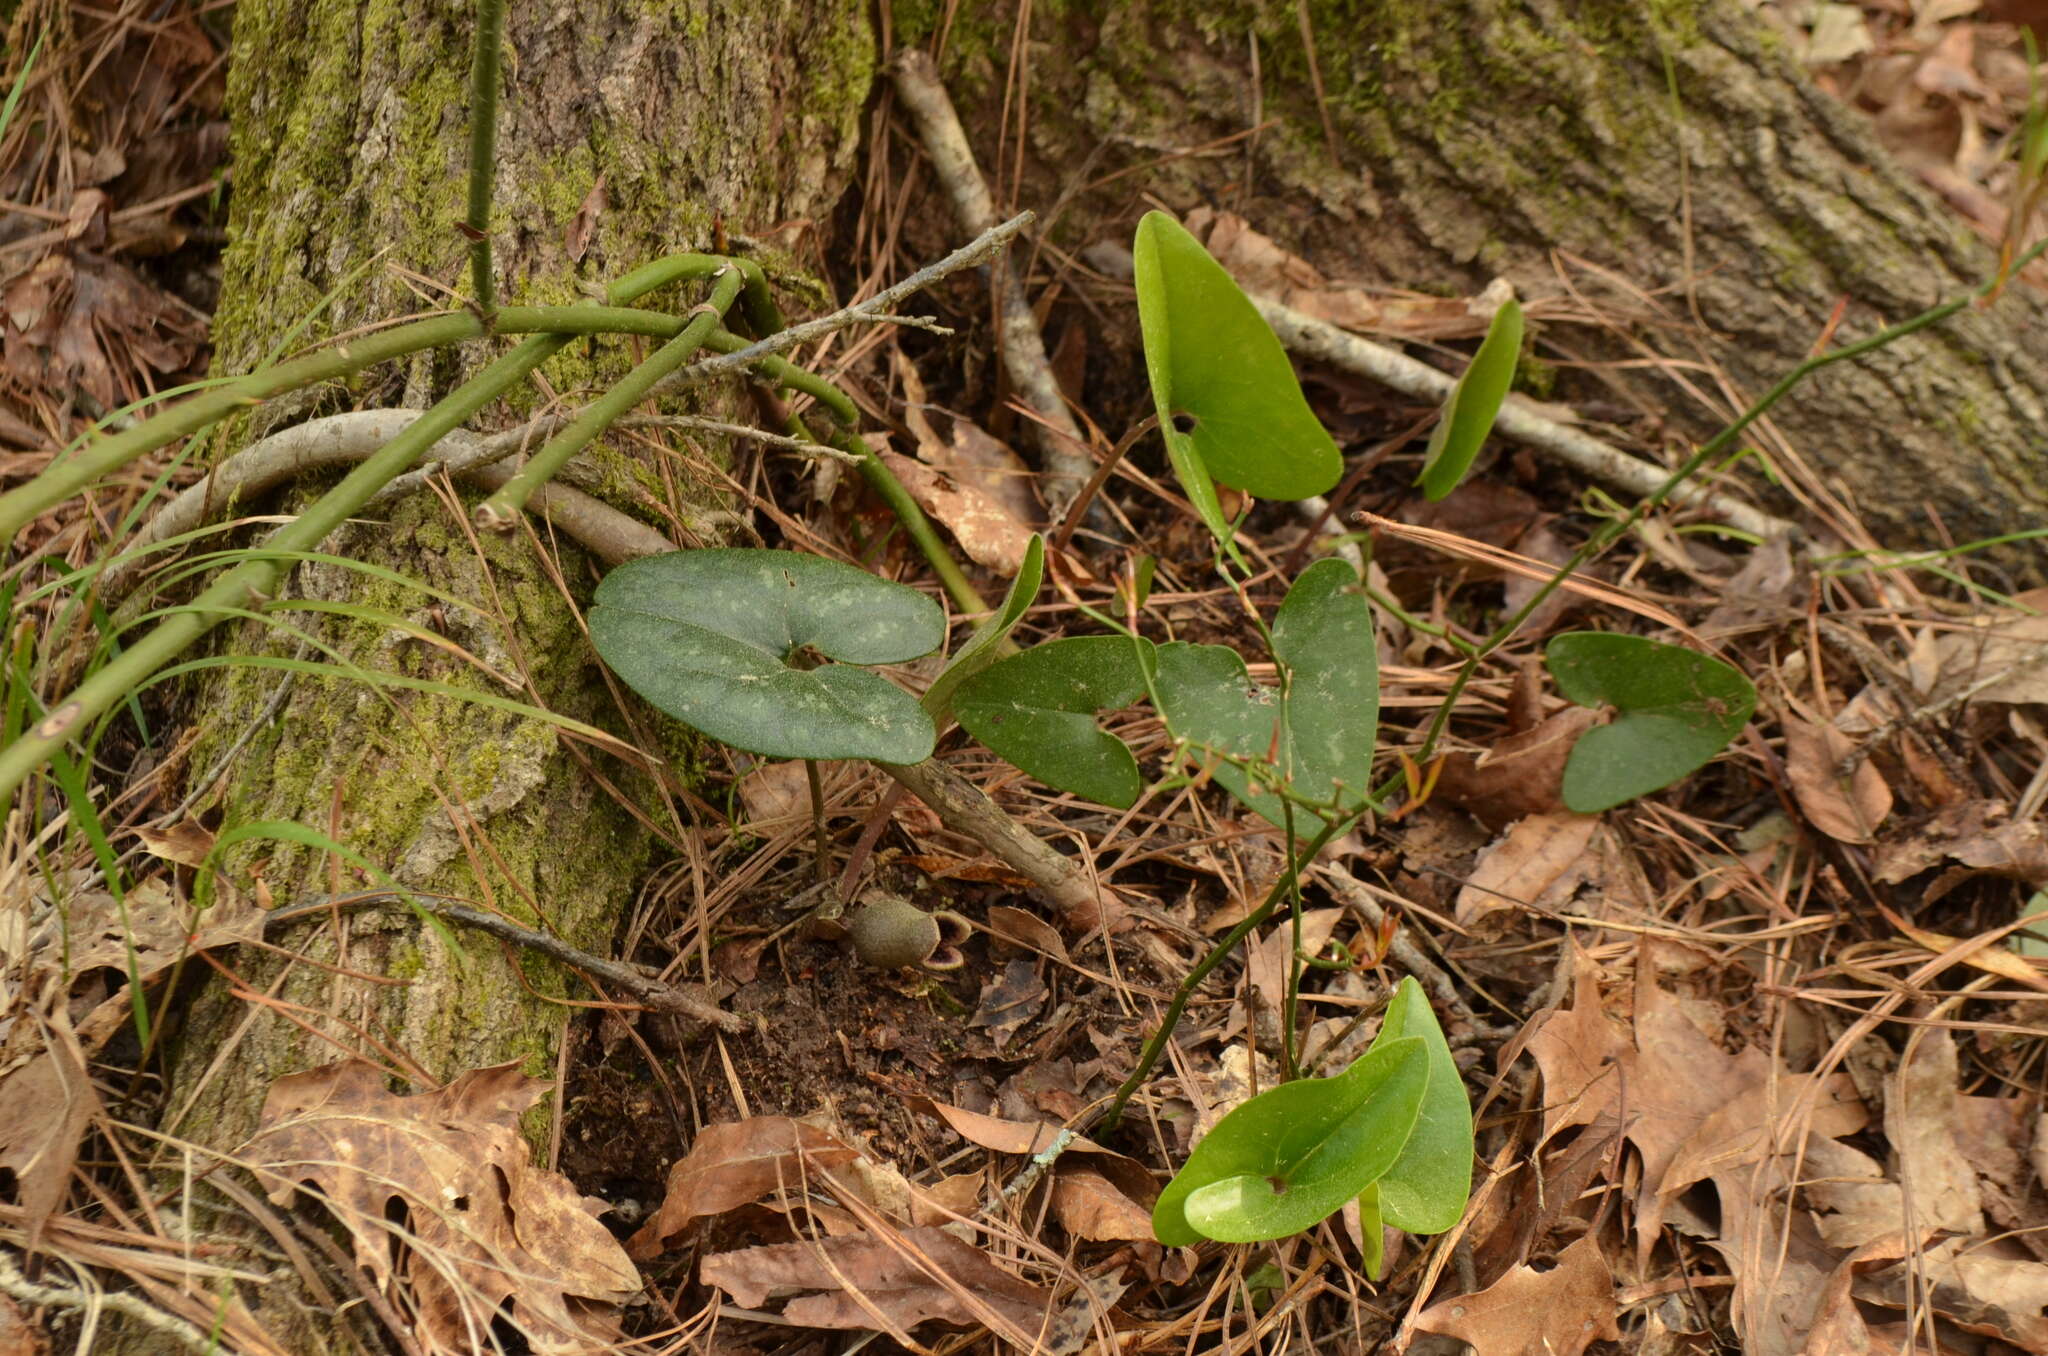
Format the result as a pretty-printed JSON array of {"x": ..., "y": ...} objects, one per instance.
[{"x": 1846, "y": 809}]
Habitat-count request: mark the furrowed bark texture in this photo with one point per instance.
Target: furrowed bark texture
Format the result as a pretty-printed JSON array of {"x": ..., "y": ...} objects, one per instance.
[
  {"x": 1476, "y": 137},
  {"x": 349, "y": 146}
]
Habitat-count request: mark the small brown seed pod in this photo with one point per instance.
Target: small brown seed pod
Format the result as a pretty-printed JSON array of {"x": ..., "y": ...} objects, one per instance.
[{"x": 892, "y": 933}]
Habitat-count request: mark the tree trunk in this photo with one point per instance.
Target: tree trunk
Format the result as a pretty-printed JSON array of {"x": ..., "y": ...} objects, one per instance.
[
  {"x": 1474, "y": 138},
  {"x": 349, "y": 147}
]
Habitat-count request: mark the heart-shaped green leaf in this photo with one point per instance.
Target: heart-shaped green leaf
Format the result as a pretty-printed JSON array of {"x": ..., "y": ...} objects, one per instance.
[
  {"x": 1677, "y": 709},
  {"x": 981, "y": 647},
  {"x": 709, "y": 637},
  {"x": 1229, "y": 405},
  {"x": 1037, "y": 710},
  {"x": 1473, "y": 405},
  {"x": 1293, "y": 1155},
  {"x": 1320, "y": 739},
  {"x": 1425, "y": 1192}
]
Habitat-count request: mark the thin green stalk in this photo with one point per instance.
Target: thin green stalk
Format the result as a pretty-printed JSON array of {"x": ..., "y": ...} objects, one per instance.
[
  {"x": 1156, "y": 1046},
  {"x": 504, "y": 507},
  {"x": 73, "y": 473},
  {"x": 786, "y": 373},
  {"x": 255, "y": 581},
  {"x": 483, "y": 150},
  {"x": 1712, "y": 448},
  {"x": 884, "y": 483}
]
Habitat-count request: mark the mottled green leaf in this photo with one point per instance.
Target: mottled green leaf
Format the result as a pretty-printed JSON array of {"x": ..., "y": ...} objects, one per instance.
[
  {"x": 1037, "y": 710},
  {"x": 1676, "y": 708},
  {"x": 710, "y": 638}
]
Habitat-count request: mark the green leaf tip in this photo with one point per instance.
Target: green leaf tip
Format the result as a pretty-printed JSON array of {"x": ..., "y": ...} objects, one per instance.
[
  {"x": 1229, "y": 406},
  {"x": 1473, "y": 405}
]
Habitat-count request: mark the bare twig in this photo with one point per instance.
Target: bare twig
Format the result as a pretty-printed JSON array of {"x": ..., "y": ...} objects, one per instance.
[
  {"x": 1066, "y": 462},
  {"x": 979, "y": 251},
  {"x": 13, "y": 1283},
  {"x": 683, "y": 1000}
]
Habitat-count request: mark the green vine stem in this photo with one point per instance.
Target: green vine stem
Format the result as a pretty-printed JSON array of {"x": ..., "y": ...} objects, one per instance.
[
  {"x": 254, "y": 582},
  {"x": 1282, "y": 889},
  {"x": 502, "y": 509},
  {"x": 73, "y": 473},
  {"x": 483, "y": 151},
  {"x": 919, "y": 528},
  {"x": 1714, "y": 447}
]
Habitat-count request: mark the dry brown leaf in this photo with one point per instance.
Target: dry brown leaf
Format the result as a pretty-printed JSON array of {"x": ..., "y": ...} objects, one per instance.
[
  {"x": 48, "y": 1103},
  {"x": 1921, "y": 1122},
  {"x": 1009, "y": 1000},
  {"x": 1980, "y": 834},
  {"x": 1521, "y": 775},
  {"x": 1559, "y": 1312},
  {"x": 887, "y": 1283},
  {"x": 1585, "y": 1057},
  {"x": 732, "y": 1164},
  {"x": 188, "y": 842},
  {"x": 1019, "y": 1137},
  {"x": 1089, "y": 1206},
  {"x": 1260, "y": 265},
  {"x": 1846, "y": 809},
  {"x": 488, "y": 1237},
  {"x": 1267, "y": 960},
  {"x": 985, "y": 528},
  {"x": 1026, "y": 930},
  {"x": 2011, "y": 648},
  {"x": 20, "y": 1334},
  {"x": 1520, "y": 867},
  {"x": 1987, "y": 1287},
  {"x": 775, "y": 793},
  {"x": 582, "y": 226}
]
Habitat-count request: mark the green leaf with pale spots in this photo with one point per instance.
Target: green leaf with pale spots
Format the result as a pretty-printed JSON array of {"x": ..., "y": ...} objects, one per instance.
[
  {"x": 1037, "y": 711},
  {"x": 710, "y": 637},
  {"x": 1319, "y": 740}
]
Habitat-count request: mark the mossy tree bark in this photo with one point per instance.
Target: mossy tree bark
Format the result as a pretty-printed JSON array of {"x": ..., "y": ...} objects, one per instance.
[
  {"x": 349, "y": 126},
  {"x": 1473, "y": 138}
]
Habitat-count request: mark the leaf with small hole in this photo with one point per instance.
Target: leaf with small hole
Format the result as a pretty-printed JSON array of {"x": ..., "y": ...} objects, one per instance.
[
  {"x": 1230, "y": 408},
  {"x": 714, "y": 638},
  {"x": 1293, "y": 1155}
]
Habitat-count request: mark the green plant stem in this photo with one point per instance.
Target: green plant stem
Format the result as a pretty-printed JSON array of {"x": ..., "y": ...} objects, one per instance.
[
  {"x": 1156, "y": 1046},
  {"x": 73, "y": 473},
  {"x": 483, "y": 150},
  {"x": 821, "y": 839},
  {"x": 884, "y": 483},
  {"x": 1712, "y": 448},
  {"x": 255, "y": 581},
  {"x": 783, "y": 372},
  {"x": 502, "y": 509}
]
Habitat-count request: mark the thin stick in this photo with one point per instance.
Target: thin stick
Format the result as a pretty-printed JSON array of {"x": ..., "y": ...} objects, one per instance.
[
  {"x": 1061, "y": 446},
  {"x": 984, "y": 247}
]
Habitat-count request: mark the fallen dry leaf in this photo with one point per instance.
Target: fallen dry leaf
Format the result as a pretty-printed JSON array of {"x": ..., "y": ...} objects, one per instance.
[
  {"x": 732, "y": 1164},
  {"x": 1524, "y": 863},
  {"x": 1008, "y": 1001},
  {"x": 2008, "y": 652},
  {"x": 1521, "y": 775},
  {"x": 1980, "y": 835},
  {"x": 1089, "y": 1206},
  {"x": 1846, "y": 809},
  {"x": 1267, "y": 960},
  {"x": 1921, "y": 1120},
  {"x": 986, "y": 529},
  {"x": 486, "y": 1237},
  {"x": 1559, "y": 1312},
  {"x": 887, "y": 1283},
  {"x": 1026, "y": 930},
  {"x": 1584, "y": 1055}
]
